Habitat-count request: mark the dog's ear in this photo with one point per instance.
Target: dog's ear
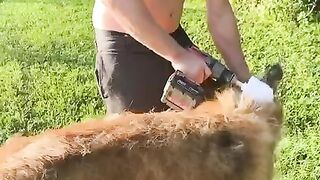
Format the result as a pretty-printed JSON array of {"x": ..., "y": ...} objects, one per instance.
[{"x": 273, "y": 75}]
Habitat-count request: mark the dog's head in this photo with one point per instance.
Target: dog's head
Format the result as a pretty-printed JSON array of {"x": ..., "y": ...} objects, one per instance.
[
  {"x": 273, "y": 75},
  {"x": 231, "y": 100}
]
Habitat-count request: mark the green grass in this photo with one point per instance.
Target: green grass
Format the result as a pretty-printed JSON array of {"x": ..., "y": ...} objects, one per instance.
[
  {"x": 46, "y": 66},
  {"x": 47, "y": 60}
]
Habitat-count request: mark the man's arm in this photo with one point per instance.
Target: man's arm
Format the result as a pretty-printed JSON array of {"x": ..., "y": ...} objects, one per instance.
[
  {"x": 223, "y": 28},
  {"x": 138, "y": 22}
]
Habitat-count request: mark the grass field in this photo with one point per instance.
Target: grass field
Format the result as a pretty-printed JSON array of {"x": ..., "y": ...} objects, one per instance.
[{"x": 47, "y": 59}]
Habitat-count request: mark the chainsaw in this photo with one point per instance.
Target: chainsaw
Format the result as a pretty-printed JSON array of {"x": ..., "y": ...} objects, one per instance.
[{"x": 181, "y": 93}]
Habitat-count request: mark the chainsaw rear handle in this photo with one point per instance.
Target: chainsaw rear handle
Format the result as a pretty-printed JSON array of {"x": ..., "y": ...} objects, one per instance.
[{"x": 219, "y": 71}]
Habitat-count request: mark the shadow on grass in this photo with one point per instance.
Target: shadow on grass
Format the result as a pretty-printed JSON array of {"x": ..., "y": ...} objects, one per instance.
[{"x": 311, "y": 10}]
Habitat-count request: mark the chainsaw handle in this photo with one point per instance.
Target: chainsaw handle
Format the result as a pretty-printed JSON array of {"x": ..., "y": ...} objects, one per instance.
[
  {"x": 219, "y": 71},
  {"x": 206, "y": 57}
]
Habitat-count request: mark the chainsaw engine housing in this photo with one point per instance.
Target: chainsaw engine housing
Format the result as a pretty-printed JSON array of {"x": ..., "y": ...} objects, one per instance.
[{"x": 181, "y": 93}]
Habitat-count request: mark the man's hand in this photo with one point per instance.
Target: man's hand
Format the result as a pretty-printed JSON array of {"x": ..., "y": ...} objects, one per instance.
[
  {"x": 223, "y": 27},
  {"x": 193, "y": 66}
]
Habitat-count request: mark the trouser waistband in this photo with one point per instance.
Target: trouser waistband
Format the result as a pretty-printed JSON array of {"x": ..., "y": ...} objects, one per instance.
[{"x": 179, "y": 35}]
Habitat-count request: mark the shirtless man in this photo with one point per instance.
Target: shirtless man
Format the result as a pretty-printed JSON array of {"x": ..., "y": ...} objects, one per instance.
[{"x": 141, "y": 42}]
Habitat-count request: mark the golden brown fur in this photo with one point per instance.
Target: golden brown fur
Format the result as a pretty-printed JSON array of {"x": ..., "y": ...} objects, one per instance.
[{"x": 224, "y": 139}]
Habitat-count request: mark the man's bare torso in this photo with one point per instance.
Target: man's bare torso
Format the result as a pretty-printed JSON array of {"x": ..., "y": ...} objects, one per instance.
[{"x": 167, "y": 13}]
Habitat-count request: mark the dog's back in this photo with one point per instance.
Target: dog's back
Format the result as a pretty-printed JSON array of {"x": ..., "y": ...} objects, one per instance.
[{"x": 224, "y": 139}]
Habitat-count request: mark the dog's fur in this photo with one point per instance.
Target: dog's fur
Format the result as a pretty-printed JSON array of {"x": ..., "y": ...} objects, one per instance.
[{"x": 224, "y": 139}]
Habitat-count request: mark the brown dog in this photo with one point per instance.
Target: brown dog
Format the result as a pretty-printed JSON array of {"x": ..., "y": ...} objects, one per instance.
[{"x": 224, "y": 139}]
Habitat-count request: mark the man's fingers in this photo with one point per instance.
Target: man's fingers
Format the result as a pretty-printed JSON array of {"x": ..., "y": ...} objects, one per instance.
[
  {"x": 201, "y": 75},
  {"x": 207, "y": 72},
  {"x": 199, "y": 78}
]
